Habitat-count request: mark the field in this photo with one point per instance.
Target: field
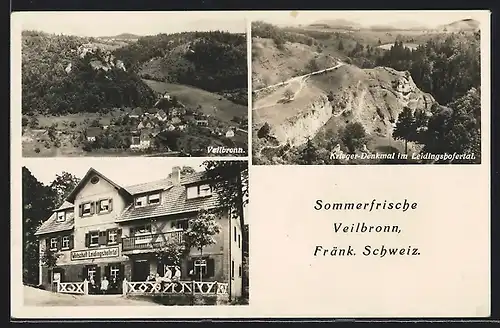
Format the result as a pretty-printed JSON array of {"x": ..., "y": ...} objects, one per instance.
[{"x": 211, "y": 104}]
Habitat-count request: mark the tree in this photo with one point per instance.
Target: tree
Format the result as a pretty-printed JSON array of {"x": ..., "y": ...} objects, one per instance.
[
  {"x": 264, "y": 131},
  {"x": 405, "y": 128},
  {"x": 38, "y": 202},
  {"x": 353, "y": 136},
  {"x": 230, "y": 180},
  {"x": 201, "y": 232},
  {"x": 309, "y": 155},
  {"x": 49, "y": 258},
  {"x": 63, "y": 185},
  {"x": 341, "y": 46},
  {"x": 172, "y": 250},
  {"x": 288, "y": 94}
]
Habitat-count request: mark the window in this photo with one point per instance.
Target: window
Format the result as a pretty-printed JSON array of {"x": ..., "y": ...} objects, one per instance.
[
  {"x": 141, "y": 230},
  {"x": 94, "y": 238},
  {"x": 239, "y": 271},
  {"x": 65, "y": 242},
  {"x": 234, "y": 234},
  {"x": 86, "y": 209},
  {"x": 200, "y": 265},
  {"x": 199, "y": 191},
  {"x": 192, "y": 192},
  {"x": 91, "y": 273},
  {"x": 114, "y": 272},
  {"x": 141, "y": 201},
  {"x": 205, "y": 190},
  {"x": 104, "y": 206},
  {"x": 239, "y": 241},
  {"x": 53, "y": 243},
  {"x": 232, "y": 269},
  {"x": 112, "y": 237},
  {"x": 154, "y": 199},
  {"x": 180, "y": 224},
  {"x": 61, "y": 216},
  {"x": 94, "y": 180}
]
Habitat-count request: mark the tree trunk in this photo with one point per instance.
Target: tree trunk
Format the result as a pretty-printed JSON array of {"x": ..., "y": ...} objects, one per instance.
[{"x": 201, "y": 259}]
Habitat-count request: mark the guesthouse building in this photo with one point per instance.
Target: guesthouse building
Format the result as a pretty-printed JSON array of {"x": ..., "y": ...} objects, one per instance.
[{"x": 123, "y": 232}]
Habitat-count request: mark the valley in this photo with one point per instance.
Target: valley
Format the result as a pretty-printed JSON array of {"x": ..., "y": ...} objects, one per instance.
[
  {"x": 320, "y": 91},
  {"x": 103, "y": 97}
]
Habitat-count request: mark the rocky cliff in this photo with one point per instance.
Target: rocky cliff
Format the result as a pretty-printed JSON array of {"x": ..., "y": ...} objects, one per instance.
[{"x": 296, "y": 129}]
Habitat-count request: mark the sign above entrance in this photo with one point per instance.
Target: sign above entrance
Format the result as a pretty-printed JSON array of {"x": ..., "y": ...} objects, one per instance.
[{"x": 95, "y": 253}]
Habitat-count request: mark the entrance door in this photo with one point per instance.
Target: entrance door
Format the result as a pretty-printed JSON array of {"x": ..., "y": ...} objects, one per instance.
[{"x": 140, "y": 270}]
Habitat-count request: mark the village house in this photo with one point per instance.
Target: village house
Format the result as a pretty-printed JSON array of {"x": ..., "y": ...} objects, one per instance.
[
  {"x": 141, "y": 139},
  {"x": 230, "y": 134},
  {"x": 136, "y": 113},
  {"x": 202, "y": 122},
  {"x": 161, "y": 115},
  {"x": 92, "y": 132},
  {"x": 105, "y": 229}
]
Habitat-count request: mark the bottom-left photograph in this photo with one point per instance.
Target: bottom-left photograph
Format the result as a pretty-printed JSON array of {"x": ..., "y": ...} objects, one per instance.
[{"x": 141, "y": 231}]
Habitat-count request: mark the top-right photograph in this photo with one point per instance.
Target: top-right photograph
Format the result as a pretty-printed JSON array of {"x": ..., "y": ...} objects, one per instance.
[{"x": 366, "y": 88}]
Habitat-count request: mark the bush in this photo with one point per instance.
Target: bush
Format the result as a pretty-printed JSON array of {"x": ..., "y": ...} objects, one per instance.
[
  {"x": 354, "y": 136},
  {"x": 72, "y": 124},
  {"x": 264, "y": 131},
  {"x": 37, "y": 150}
]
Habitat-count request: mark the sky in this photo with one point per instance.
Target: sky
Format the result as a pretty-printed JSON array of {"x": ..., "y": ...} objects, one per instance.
[
  {"x": 367, "y": 18},
  {"x": 140, "y": 23},
  {"x": 123, "y": 172}
]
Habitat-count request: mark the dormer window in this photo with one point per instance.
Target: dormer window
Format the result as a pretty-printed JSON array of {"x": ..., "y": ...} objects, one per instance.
[
  {"x": 61, "y": 216},
  {"x": 154, "y": 199},
  {"x": 203, "y": 190},
  {"x": 145, "y": 200}
]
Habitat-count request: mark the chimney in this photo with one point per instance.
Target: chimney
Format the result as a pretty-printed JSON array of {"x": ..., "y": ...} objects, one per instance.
[{"x": 176, "y": 175}]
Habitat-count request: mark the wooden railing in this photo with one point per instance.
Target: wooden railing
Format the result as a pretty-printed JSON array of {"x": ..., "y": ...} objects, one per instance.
[
  {"x": 181, "y": 287},
  {"x": 150, "y": 241},
  {"x": 80, "y": 288}
]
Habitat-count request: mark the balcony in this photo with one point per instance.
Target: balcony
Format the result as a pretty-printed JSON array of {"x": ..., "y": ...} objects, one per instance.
[{"x": 151, "y": 241}]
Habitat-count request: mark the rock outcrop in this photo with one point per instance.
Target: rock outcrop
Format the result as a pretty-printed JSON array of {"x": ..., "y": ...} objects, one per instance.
[{"x": 296, "y": 129}]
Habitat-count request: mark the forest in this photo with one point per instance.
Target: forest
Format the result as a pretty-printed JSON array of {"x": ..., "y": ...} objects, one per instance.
[
  {"x": 48, "y": 88},
  {"x": 214, "y": 61}
]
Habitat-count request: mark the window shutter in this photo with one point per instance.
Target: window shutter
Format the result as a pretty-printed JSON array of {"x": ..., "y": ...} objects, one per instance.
[
  {"x": 80, "y": 210},
  {"x": 110, "y": 204},
  {"x": 47, "y": 243},
  {"x": 106, "y": 272},
  {"x": 121, "y": 274},
  {"x": 107, "y": 235},
  {"x": 102, "y": 238},
  {"x": 84, "y": 273},
  {"x": 92, "y": 208},
  {"x": 210, "y": 268},
  {"x": 160, "y": 268},
  {"x": 59, "y": 243},
  {"x": 61, "y": 271},
  {"x": 50, "y": 276},
  {"x": 118, "y": 235},
  {"x": 87, "y": 240},
  {"x": 71, "y": 241}
]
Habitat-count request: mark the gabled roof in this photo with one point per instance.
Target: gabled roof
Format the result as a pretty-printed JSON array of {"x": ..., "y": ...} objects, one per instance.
[
  {"x": 173, "y": 199},
  {"x": 91, "y": 172},
  {"x": 149, "y": 186},
  {"x": 64, "y": 206},
  {"x": 52, "y": 225}
]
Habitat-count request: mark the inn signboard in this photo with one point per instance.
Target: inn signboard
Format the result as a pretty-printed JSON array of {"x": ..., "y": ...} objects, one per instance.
[{"x": 95, "y": 253}]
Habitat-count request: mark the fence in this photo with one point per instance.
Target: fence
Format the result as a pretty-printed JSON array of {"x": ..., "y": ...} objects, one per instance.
[
  {"x": 80, "y": 288},
  {"x": 181, "y": 287}
]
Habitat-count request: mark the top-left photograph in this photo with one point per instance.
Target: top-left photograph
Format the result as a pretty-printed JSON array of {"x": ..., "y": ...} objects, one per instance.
[{"x": 163, "y": 84}]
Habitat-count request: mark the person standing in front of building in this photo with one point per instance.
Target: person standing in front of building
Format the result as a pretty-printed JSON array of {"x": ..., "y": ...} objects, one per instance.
[
  {"x": 104, "y": 285},
  {"x": 177, "y": 274}
]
